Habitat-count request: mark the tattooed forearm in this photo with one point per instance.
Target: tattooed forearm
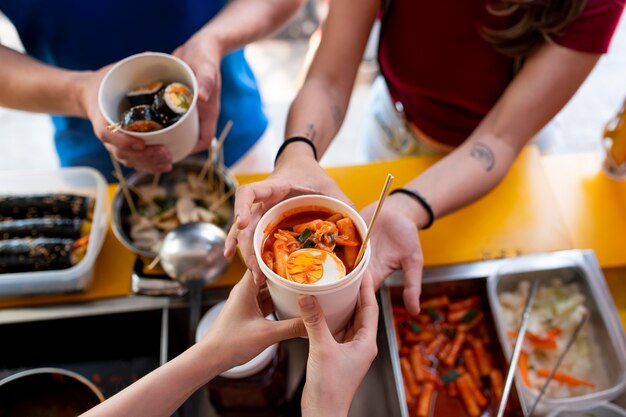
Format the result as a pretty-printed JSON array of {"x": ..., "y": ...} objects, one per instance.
[
  {"x": 337, "y": 115},
  {"x": 310, "y": 132},
  {"x": 484, "y": 155}
]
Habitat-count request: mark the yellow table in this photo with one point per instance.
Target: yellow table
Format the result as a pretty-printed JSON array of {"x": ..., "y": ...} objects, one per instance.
[
  {"x": 543, "y": 204},
  {"x": 593, "y": 208}
]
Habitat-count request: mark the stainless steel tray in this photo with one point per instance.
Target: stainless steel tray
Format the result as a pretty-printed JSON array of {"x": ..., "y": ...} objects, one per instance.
[
  {"x": 606, "y": 331},
  {"x": 460, "y": 280},
  {"x": 463, "y": 277}
]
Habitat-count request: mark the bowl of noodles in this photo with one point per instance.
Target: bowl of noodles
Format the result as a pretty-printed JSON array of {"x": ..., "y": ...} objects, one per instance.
[{"x": 177, "y": 197}]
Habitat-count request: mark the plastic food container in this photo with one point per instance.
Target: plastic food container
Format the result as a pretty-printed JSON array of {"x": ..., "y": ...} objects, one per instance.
[
  {"x": 79, "y": 180},
  {"x": 608, "y": 347},
  {"x": 601, "y": 410}
]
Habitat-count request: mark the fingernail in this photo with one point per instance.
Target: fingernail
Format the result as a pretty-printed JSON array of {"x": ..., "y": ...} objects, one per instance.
[
  {"x": 237, "y": 220},
  {"x": 305, "y": 301}
]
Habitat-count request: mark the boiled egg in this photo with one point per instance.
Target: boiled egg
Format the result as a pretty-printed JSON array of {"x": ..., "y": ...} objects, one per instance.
[{"x": 314, "y": 266}]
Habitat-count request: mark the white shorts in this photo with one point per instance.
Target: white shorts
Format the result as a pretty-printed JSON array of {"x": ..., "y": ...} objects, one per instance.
[{"x": 387, "y": 135}]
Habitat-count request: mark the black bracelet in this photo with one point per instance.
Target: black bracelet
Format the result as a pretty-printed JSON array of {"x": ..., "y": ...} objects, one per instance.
[
  {"x": 292, "y": 140},
  {"x": 422, "y": 201}
]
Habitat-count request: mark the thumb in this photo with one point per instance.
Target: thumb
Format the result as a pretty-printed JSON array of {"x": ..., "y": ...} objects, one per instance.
[{"x": 314, "y": 319}]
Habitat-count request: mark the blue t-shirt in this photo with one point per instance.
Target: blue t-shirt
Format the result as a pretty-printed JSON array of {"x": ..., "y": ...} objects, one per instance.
[{"x": 87, "y": 35}]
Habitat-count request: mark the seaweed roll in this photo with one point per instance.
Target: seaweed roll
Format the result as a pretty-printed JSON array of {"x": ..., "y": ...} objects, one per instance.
[
  {"x": 44, "y": 254},
  {"x": 61, "y": 228},
  {"x": 144, "y": 94},
  {"x": 141, "y": 119},
  {"x": 46, "y": 206},
  {"x": 172, "y": 102}
]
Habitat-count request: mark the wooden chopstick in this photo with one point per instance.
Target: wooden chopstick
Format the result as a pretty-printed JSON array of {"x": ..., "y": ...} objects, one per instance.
[{"x": 379, "y": 205}]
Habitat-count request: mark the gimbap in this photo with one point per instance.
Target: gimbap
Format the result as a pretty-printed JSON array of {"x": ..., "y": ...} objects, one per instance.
[
  {"x": 172, "y": 102},
  {"x": 141, "y": 119},
  {"x": 61, "y": 228},
  {"x": 144, "y": 94},
  {"x": 44, "y": 254},
  {"x": 46, "y": 206}
]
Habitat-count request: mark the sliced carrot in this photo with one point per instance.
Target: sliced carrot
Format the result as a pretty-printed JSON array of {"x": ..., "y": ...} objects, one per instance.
[
  {"x": 497, "y": 384},
  {"x": 472, "y": 366},
  {"x": 436, "y": 344},
  {"x": 484, "y": 364},
  {"x": 459, "y": 339},
  {"x": 409, "y": 378},
  {"x": 417, "y": 362},
  {"x": 539, "y": 342},
  {"x": 435, "y": 302},
  {"x": 444, "y": 352},
  {"x": 523, "y": 367},
  {"x": 480, "y": 398},
  {"x": 468, "y": 399},
  {"x": 472, "y": 301},
  {"x": 565, "y": 378},
  {"x": 423, "y": 336},
  {"x": 457, "y": 315},
  {"x": 423, "y": 406},
  {"x": 466, "y": 327}
]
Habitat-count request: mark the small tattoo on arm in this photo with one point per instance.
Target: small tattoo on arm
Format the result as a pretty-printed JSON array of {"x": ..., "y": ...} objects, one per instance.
[
  {"x": 337, "y": 115},
  {"x": 484, "y": 155},
  {"x": 310, "y": 132}
]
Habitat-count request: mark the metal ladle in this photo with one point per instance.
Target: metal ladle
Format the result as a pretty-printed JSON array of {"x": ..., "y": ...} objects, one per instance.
[{"x": 193, "y": 254}]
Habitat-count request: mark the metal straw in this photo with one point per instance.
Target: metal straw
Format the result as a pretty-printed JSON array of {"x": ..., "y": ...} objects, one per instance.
[
  {"x": 517, "y": 350},
  {"x": 569, "y": 344}
]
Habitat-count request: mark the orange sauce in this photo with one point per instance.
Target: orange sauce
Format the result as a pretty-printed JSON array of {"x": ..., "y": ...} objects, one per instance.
[{"x": 290, "y": 220}]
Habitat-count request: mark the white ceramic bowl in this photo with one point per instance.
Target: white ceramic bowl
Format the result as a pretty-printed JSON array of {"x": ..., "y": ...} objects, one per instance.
[
  {"x": 142, "y": 69},
  {"x": 338, "y": 298}
]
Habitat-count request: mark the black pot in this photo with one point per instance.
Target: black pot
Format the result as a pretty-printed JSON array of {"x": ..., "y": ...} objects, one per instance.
[{"x": 50, "y": 392}]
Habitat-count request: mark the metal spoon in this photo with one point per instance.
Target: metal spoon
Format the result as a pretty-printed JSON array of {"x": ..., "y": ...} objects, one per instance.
[{"x": 193, "y": 254}]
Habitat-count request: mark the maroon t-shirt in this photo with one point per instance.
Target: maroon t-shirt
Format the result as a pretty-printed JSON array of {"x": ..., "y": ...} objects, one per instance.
[{"x": 447, "y": 75}]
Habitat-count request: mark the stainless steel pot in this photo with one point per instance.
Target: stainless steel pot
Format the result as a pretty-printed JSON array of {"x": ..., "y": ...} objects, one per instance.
[
  {"x": 53, "y": 392},
  {"x": 120, "y": 215}
]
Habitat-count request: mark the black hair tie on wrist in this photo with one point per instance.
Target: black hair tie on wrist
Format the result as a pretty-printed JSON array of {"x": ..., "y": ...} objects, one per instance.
[
  {"x": 422, "y": 201},
  {"x": 292, "y": 140}
]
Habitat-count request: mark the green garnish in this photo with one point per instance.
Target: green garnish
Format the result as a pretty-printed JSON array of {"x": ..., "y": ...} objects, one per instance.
[
  {"x": 450, "y": 331},
  {"x": 470, "y": 315},
  {"x": 305, "y": 235},
  {"x": 432, "y": 313},
  {"x": 450, "y": 376},
  {"x": 308, "y": 244},
  {"x": 415, "y": 327},
  {"x": 289, "y": 229}
]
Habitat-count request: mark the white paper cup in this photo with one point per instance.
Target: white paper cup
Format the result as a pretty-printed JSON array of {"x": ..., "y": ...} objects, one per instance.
[
  {"x": 338, "y": 298},
  {"x": 142, "y": 69}
]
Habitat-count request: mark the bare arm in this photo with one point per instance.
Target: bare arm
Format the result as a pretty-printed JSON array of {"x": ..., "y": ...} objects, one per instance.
[
  {"x": 549, "y": 78},
  {"x": 320, "y": 106},
  {"x": 33, "y": 86},
  {"x": 547, "y": 81}
]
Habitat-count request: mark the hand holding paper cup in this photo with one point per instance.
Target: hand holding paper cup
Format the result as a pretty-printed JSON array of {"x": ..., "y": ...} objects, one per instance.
[
  {"x": 153, "y": 96},
  {"x": 309, "y": 245}
]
